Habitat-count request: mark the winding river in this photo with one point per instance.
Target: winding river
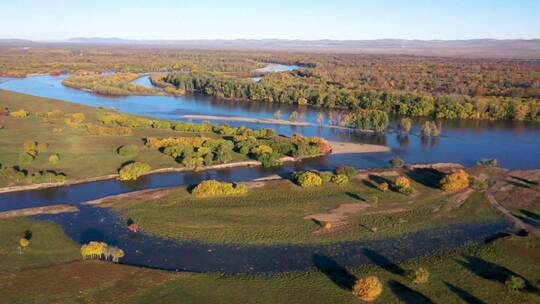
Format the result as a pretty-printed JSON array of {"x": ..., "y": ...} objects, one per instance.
[{"x": 515, "y": 145}]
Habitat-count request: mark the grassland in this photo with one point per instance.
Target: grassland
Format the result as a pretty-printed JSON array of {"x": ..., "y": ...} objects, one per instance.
[
  {"x": 474, "y": 275},
  {"x": 278, "y": 212},
  {"x": 82, "y": 155}
]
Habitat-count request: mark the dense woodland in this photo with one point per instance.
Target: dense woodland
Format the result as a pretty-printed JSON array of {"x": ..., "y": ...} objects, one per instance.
[{"x": 438, "y": 87}]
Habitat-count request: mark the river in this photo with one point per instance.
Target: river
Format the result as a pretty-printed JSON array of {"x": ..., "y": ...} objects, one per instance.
[{"x": 514, "y": 144}]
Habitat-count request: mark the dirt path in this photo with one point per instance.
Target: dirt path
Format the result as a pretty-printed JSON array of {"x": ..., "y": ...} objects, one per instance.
[{"x": 507, "y": 214}]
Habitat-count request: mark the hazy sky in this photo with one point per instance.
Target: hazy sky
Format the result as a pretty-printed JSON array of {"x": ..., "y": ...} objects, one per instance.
[{"x": 310, "y": 19}]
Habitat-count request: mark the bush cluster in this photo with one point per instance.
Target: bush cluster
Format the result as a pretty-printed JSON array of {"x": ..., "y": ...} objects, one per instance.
[
  {"x": 74, "y": 119},
  {"x": 341, "y": 176},
  {"x": 19, "y": 114},
  {"x": 31, "y": 149},
  {"x": 211, "y": 188},
  {"x": 396, "y": 162},
  {"x": 132, "y": 171},
  {"x": 418, "y": 276},
  {"x": 455, "y": 181},
  {"x": 94, "y": 129},
  {"x": 193, "y": 152},
  {"x": 128, "y": 151},
  {"x": 403, "y": 185},
  {"x": 16, "y": 174}
]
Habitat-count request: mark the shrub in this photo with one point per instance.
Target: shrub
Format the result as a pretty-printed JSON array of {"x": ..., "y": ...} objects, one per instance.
[
  {"x": 367, "y": 289},
  {"x": 29, "y": 145},
  {"x": 74, "y": 119},
  {"x": 340, "y": 179},
  {"x": 418, "y": 276},
  {"x": 308, "y": 179},
  {"x": 382, "y": 186},
  {"x": 396, "y": 162},
  {"x": 23, "y": 243},
  {"x": 405, "y": 124},
  {"x": 346, "y": 170},
  {"x": 111, "y": 118},
  {"x": 403, "y": 185},
  {"x": 455, "y": 181},
  {"x": 55, "y": 114},
  {"x": 132, "y": 171},
  {"x": 26, "y": 158},
  {"x": 403, "y": 182},
  {"x": 326, "y": 176},
  {"x": 214, "y": 188},
  {"x": 488, "y": 162},
  {"x": 94, "y": 129},
  {"x": 269, "y": 160},
  {"x": 19, "y": 114},
  {"x": 515, "y": 283},
  {"x": 42, "y": 147},
  {"x": 54, "y": 158},
  {"x": 261, "y": 149},
  {"x": 128, "y": 151},
  {"x": 161, "y": 124}
]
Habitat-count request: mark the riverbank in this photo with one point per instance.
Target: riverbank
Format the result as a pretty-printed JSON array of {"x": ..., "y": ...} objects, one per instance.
[
  {"x": 53, "y": 209},
  {"x": 277, "y": 211},
  {"x": 54, "y": 273}
]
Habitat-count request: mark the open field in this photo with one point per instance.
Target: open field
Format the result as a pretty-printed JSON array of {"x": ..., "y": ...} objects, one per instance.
[
  {"x": 49, "y": 271},
  {"x": 281, "y": 212}
]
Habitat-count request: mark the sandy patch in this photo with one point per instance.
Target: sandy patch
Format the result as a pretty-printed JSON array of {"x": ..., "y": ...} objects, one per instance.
[
  {"x": 150, "y": 194},
  {"x": 350, "y": 147},
  {"x": 53, "y": 209}
]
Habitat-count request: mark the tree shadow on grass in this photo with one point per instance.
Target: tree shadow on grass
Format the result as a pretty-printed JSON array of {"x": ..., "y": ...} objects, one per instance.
[
  {"x": 407, "y": 295},
  {"x": 525, "y": 181},
  {"x": 490, "y": 271},
  {"x": 464, "y": 295},
  {"x": 529, "y": 217},
  {"x": 383, "y": 262},
  {"x": 426, "y": 176},
  {"x": 356, "y": 196},
  {"x": 335, "y": 272}
]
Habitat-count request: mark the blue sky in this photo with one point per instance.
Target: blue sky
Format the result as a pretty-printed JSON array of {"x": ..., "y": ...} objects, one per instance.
[{"x": 331, "y": 19}]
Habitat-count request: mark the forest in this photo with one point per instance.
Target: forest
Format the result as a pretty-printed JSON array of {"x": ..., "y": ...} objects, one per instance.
[{"x": 437, "y": 87}]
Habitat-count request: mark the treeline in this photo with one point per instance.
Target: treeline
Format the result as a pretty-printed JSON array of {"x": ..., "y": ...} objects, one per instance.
[{"x": 281, "y": 88}]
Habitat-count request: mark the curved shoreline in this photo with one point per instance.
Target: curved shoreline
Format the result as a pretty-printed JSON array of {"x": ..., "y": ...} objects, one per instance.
[{"x": 337, "y": 148}]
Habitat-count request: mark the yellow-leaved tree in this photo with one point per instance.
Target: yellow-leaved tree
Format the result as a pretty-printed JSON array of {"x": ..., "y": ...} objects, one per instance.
[
  {"x": 367, "y": 289},
  {"x": 455, "y": 181}
]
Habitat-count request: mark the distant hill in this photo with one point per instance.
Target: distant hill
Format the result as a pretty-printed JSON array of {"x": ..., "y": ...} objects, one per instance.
[
  {"x": 518, "y": 48},
  {"x": 15, "y": 42},
  {"x": 511, "y": 48}
]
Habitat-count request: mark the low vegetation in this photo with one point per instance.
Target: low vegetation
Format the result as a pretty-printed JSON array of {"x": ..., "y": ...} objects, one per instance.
[
  {"x": 212, "y": 188},
  {"x": 133, "y": 170}
]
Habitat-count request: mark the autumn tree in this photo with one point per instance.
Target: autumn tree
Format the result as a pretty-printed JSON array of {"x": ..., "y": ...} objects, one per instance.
[{"x": 367, "y": 289}]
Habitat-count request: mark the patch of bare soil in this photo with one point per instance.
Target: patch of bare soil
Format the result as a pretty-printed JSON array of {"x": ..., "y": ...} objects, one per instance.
[
  {"x": 336, "y": 220},
  {"x": 150, "y": 194},
  {"x": 351, "y": 147},
  {"x": 53, "y": 209},
  {"x": 455, "y": 201}
]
